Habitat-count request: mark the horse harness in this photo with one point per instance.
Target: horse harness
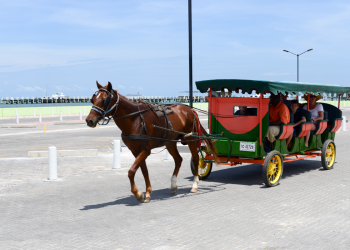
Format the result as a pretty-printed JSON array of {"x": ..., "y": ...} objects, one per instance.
[
  {"x": 144, "y": 128},
  {"x": 106, "y": 103},
  {"x": 140, "y": 136}
]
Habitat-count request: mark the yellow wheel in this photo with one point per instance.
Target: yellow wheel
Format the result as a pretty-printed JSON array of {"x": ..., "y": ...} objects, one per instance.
[
  {"x": 204, "y": 168},
  {"x": 328, "y": 154},
  {"x": 272, "y": 168}
]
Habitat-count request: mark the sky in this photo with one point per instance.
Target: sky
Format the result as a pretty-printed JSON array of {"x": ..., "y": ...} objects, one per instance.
[{"x": 141, "y": 46}]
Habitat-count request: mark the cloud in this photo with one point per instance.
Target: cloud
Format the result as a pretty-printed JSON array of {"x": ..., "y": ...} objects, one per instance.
[
  {"x": 30, "y": 89},
  {"x": 78, "y": 87},
  {"x": 276, "y": 74},
  {"x": 140, "y": 88},
  {"x": 121, "y": 86},
  {"x": 62, "y": 88},
  {"x": 6, "y": 83}
]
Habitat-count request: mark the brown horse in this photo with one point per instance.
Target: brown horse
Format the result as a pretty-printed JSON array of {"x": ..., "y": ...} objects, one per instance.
[{"x": 126, "y": 114}]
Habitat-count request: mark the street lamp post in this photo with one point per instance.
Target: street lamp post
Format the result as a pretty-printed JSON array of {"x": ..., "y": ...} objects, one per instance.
[
  {"x": 297, "y": 60},
  {"x": 190, "y": 50}
]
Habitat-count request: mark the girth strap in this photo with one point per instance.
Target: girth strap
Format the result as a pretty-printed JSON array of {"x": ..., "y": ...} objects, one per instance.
[
  {"x": 142, "y": 123},
  {"x": 167, "y": 121}
]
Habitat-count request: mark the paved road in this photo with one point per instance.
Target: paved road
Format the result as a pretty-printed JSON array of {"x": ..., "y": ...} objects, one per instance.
[{"x": 91, "y": 207}]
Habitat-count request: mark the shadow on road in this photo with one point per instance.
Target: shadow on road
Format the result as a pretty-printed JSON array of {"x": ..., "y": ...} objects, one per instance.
[
  {"x": 159, "y": 195},
  {"x": 242, "y": 175},
  {"x": 252, "y": 174}
]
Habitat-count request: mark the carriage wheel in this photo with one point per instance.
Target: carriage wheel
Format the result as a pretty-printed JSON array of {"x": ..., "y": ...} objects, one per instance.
[
  {"x": 204, "y": 168},
  {"x": 272, "y": 168},
  {"x": 328, "y": 155}
]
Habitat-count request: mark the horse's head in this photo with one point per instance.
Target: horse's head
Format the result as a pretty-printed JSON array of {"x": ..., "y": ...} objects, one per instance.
[{"x": 101, "y": 104}]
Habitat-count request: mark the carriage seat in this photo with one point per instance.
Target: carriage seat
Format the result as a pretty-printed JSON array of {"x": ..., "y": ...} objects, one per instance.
[
  {"x": 304, "y": 128},
  {"x": 286, "y": 129},
  {"x": 334, "y": 117}
]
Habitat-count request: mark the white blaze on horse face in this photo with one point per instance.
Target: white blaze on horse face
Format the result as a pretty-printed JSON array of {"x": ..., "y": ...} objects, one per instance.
[
  {"x": 98, "y": 95},
  {"x": 173, "y": 181},
  {"x": 195, "y": 182}
]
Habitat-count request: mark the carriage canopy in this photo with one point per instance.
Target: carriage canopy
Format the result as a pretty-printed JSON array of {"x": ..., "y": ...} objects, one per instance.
[{"x": 261, "y": 87}]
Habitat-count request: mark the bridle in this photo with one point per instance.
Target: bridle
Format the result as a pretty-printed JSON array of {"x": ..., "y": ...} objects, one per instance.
[{"x": 106, "y": 103}]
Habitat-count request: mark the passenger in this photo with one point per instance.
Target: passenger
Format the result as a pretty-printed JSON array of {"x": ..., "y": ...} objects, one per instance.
[
  {"x": 243, "y": 111},
  {"x": 278, "y": 114},
  {"x": 284, "y": 99},
  {"x": 298, "y": 118},
  {"x": 317, "y": 113}
]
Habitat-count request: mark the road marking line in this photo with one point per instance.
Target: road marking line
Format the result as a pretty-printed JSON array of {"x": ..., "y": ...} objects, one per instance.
[{"x": 45, "y": 128}]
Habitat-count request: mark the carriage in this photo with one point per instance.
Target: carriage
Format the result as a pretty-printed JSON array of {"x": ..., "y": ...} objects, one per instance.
[{"x": 242, "y": 136}]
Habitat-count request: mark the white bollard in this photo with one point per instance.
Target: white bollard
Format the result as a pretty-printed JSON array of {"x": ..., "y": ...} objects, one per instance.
[
  {"x": 200, "y": 106},
  {"x": 116, "y": 154},
  {"x": 52, "y": 163},
  {"x": 60, "y": 116},
  {"x": 17, "y": 119},
  {"x": 84, "y": 111},
  {"x": 167, "y": 155},
  {"x": 40, "y": 120},
  {"x": 80, "y": 116},
  {"x": 343, "y": 124},
  {"x": 16, "y": 112},
  {"x": 52, "y": 112},
  {"x": 33, "y": 112},
  {"x": 68, "y": 111}
]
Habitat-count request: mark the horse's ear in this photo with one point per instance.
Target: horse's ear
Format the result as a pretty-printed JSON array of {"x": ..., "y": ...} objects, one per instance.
[
  {"x": 98, "y": 85},
  {"x": 109, "y": 87}
]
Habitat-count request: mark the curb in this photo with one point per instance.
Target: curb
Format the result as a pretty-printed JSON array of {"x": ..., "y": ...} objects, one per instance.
[
  {"x": 64, "y": 153},
  {"x": 18, "y": 126}
]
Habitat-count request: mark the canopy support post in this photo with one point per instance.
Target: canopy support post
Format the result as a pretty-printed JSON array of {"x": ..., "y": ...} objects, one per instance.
[
  {"x": 260, "y": 119},
  {"x": 339, "y": 101},
  {"x": 210, "y": 102}
]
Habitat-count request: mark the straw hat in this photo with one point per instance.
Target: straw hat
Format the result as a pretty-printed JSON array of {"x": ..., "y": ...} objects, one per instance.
[{"x": 318, "y": 97}]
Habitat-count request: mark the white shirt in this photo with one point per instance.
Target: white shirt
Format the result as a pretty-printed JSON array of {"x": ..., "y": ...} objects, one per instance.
[{"x": 314, "y": 112}]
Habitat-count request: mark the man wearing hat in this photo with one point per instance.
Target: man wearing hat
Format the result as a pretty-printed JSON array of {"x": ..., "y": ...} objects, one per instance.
[{"x": 317, "y": 112}]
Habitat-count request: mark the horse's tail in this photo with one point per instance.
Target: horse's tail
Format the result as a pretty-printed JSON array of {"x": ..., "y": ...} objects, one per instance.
[{"x": 210, "y": 145}]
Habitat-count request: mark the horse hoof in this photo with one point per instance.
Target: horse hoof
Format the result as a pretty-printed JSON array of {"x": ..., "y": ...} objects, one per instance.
[
  {"x": 142, "y": 198},
  {"x": 174, "y": 190},
  {"x": 194, "y": 190},
  {"x": 148, "y": 199}
]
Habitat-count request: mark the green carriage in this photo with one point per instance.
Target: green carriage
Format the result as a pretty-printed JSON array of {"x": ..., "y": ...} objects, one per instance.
[{"x": 243, "y": 135}]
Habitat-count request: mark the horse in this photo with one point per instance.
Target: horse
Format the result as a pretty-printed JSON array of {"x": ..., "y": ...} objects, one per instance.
[{"x": 139, "y": 124}]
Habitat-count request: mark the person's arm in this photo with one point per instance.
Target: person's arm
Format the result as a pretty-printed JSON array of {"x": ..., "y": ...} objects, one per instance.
[
  {"x": 303, "y": 119},
  {"x": 275, "y": 123},
  {"x": 320, "y": 116}
]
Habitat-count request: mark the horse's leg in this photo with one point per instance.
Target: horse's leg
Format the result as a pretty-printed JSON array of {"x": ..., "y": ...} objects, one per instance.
[
  {"x": 147, "y": 181},
  {"x": 195, "y": 160},
  {"x": 172, "y": 149},
  {"x": 139, "y": 159}
]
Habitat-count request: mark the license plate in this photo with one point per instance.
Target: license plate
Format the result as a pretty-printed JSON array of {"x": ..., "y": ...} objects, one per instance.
[{"x": 247, "y": 146}]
